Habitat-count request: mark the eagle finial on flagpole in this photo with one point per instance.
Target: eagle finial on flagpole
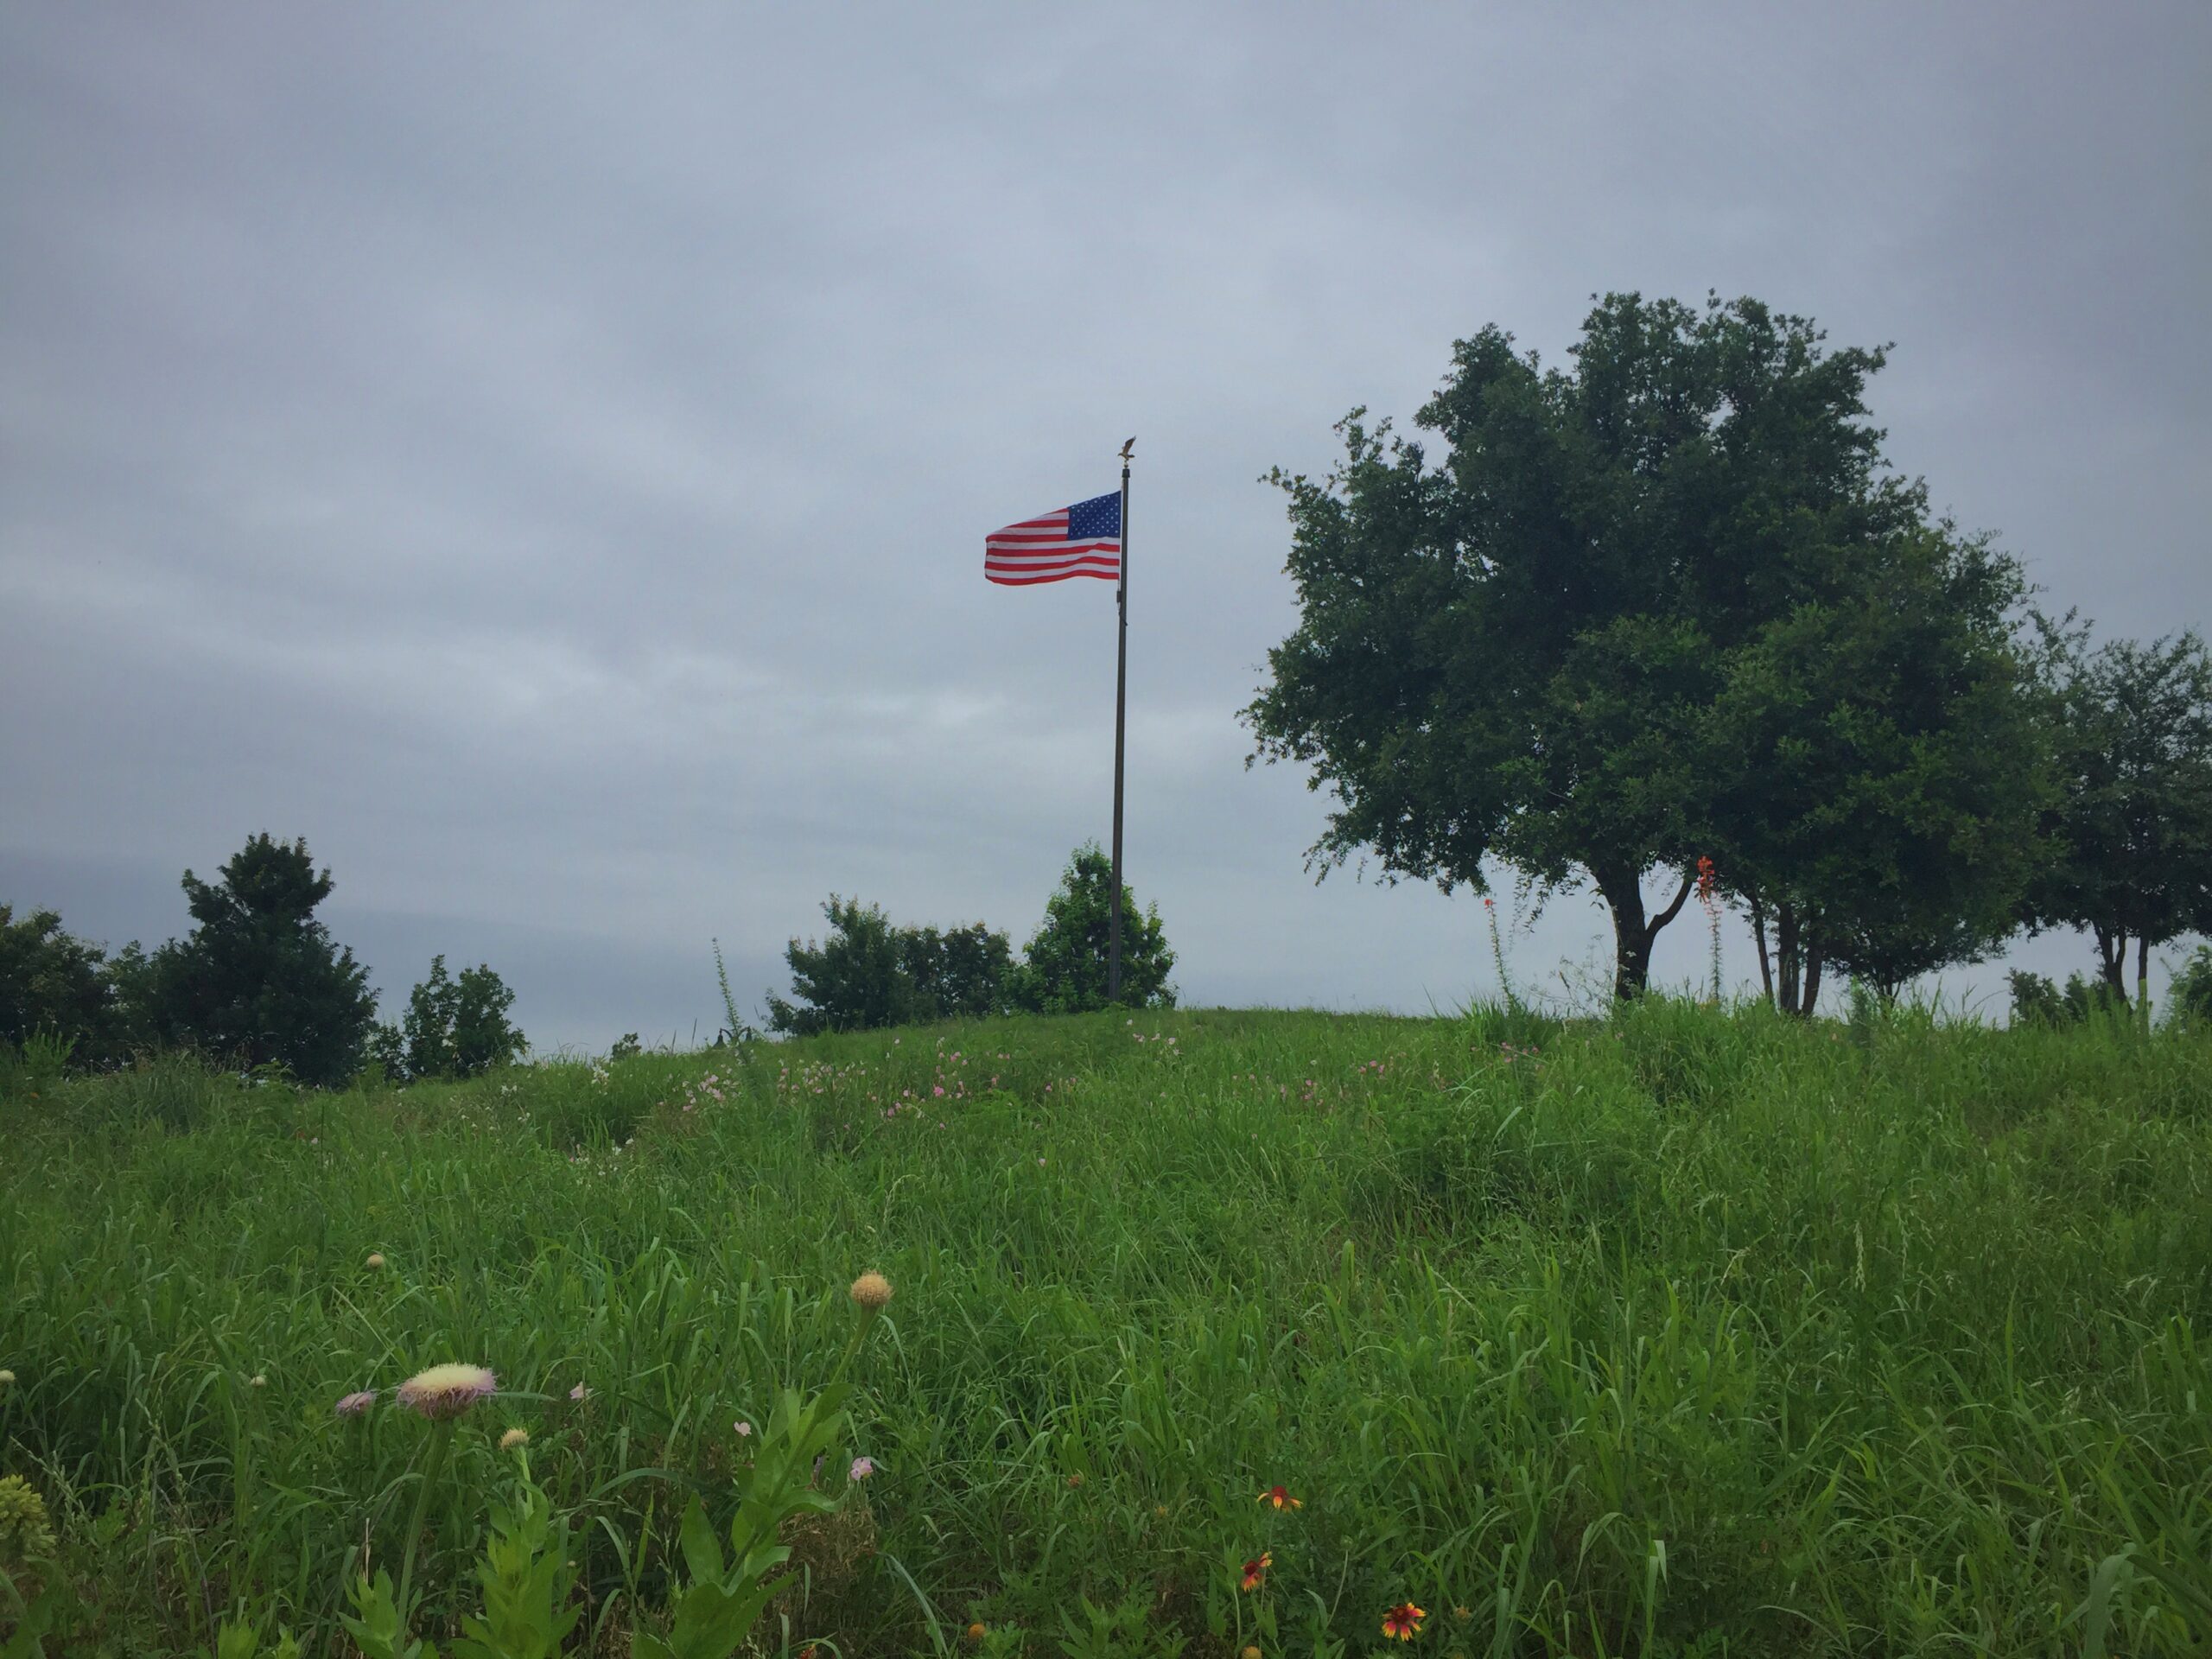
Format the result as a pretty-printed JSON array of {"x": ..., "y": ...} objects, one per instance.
[{"x": 1126, "y": 448}]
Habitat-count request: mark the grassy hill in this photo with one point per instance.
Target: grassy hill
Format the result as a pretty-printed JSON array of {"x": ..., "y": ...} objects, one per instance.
[{"x": 1683, "y": 1333}]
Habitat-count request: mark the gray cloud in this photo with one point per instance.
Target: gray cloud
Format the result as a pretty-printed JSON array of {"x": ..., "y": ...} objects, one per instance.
[{"x": 540, "y": 455}]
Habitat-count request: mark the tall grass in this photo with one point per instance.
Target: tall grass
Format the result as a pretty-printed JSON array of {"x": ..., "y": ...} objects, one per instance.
[{"x": 1687, "y": 1332}]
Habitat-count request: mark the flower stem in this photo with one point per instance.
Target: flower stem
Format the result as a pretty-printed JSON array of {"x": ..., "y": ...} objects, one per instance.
[{"x": 432, "y": 1462}]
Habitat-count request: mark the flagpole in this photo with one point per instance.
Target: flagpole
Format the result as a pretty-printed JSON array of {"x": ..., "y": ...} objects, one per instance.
[{"x": 1120, "y": 723}]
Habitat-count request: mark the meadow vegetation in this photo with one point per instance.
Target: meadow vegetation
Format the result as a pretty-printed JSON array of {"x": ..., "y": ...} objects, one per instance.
[{"x": 1683, "y": 1331}]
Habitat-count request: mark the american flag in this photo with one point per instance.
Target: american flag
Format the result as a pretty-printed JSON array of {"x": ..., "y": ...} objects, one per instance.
[{"x": 1083, "y": 540}]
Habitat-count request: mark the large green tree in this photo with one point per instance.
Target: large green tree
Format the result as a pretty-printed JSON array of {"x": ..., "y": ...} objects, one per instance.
[
  {"x": 2134, "y": 818},
  {"x": 258, "y": 981},
  {"x": 1510, "y": 653}
]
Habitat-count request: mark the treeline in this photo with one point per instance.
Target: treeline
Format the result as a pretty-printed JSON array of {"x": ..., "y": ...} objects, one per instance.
[
  {"x": 866, "y": 973},
  {"x": 1668, "y": 604},
  {"x": 259, "y": 982}
]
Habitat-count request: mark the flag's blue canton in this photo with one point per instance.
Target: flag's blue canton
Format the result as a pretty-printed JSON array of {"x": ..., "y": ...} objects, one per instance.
[{"x": 1100, "y": 516}]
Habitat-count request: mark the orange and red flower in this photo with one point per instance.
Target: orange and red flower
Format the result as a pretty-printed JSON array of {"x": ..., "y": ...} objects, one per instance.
[
  {"x": 1403, "y": 1621},
  {"x": 1255, "y": 1573},
  {"x": 1281, "y": 1498}
]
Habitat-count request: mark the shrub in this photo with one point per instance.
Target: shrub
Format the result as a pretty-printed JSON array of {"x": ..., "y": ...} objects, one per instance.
[
  {"x": 2192, "y": 990},
  {"x": 867, "y": 974}
]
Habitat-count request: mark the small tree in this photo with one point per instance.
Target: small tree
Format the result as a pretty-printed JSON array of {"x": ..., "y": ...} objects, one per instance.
[
  {"x": 53, "y": 981},
  {"x": 854, "y": 980},
  {"x": 1065, "y": 969},
  {"x": 258, "y": 981},
  {"x": 2135, "y": 819},
  {"x": 459, "y": 1027}
]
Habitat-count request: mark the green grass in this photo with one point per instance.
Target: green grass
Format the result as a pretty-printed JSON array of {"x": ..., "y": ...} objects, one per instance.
[{"x": 1686, "y": 1333}]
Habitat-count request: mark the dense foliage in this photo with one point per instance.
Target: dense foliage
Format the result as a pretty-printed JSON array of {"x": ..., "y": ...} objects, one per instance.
[
  {"x": 1686, "y": 1333},
  {"x": 260, "y": 981},
  {"x": 52, "y": 983},
  {"x": 1664, "y": 606},
  {"x": 454, "y": 1027},
  {"x": 2133, "y": 825},
  {"x": 1064, "y": 965},
  {"x": 867, "y": 973}
]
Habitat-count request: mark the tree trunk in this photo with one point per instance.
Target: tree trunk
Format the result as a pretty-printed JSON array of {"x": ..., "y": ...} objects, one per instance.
[
  {"x": 2112, "y": 955},
  {"x": 1814, "y": 962},
  {"x": 1632, "y": 935},
  {"x": 1786, "y": 947},
  {"x": 1623, "y": 896},
  {"x": 1759, "y": 932},
  {"x": 2142, "y": 979}
]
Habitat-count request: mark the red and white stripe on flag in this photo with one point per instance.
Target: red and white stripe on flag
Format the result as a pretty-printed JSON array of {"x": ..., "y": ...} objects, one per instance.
[{"x": 1053, "y": 549}]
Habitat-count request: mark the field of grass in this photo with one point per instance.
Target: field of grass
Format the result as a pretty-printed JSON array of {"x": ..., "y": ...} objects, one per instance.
[{"x": 1683, "y": 1333}]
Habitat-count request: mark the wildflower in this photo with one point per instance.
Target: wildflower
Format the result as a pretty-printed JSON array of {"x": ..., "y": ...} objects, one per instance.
[
  {"x": 580, "y": 1393},
  {"x": 1074, "y": 1481},
  {"x": 1159, "y": 1511},
  {"x": 376, "y": 1259},
  {"x": 514, "y": 1438},
  {"x": 257, "y": 1381},
  {"x": 861, "y": 1469},
  {"x": 744, "y": 1429},
  {"x": 1403, "y": 1621},
  {"x": 6, "y": 1378},
  {"x": 1462, "y": 1614},
  {"x": 448, "y": 1391},
  {"x": 1250, "y": 1652},
  {"x": 1255, "y": 1573},
  {"x": 354, "y": 1404},
  {"x": 872, "y": 1291},
  {"x": 1280, "y": 1499},
  {"x": 975, "y": 1633}
]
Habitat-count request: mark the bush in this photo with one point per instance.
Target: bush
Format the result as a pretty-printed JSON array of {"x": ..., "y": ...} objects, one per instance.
[
  {"x": 2037, "y": 1001},
  {"x": 2192, "y": 991},
  {"x": 867, "y": 974}
]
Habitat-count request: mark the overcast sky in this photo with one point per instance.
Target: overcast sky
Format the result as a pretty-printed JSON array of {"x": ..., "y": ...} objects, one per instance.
[{"x": 541, "y": 453}]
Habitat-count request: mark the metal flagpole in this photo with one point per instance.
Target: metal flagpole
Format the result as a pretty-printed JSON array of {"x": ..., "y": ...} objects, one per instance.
[{"x": 1120, "y": 722}]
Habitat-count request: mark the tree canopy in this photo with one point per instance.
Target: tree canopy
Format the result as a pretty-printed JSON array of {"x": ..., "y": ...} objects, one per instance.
[
  {"x": 457, "y": 1027},
  {"x": 258, "y": 981},
  {"x": 2133, "y": 819},
  {"x": 1550, "y": 647}
]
